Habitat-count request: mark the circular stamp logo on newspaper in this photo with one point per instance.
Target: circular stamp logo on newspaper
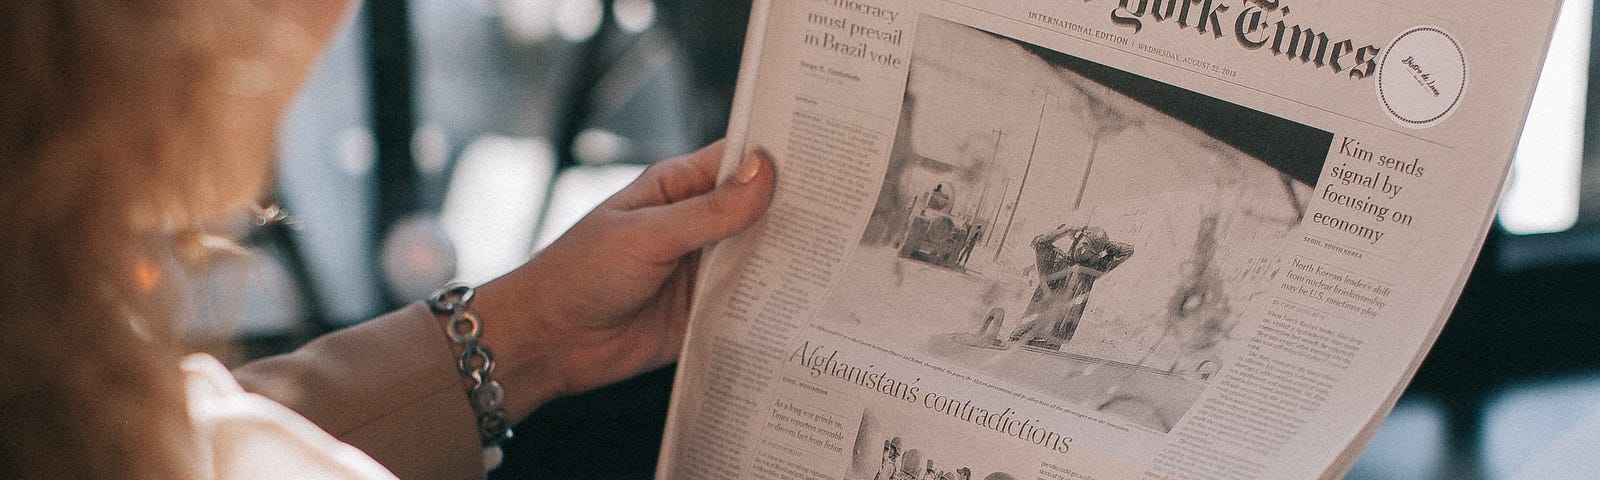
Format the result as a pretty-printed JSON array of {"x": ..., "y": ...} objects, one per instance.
[{"x": 1422, "y": 77}]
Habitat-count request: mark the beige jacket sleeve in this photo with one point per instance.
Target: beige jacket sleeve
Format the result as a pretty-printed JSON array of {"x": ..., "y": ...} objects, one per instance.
[{"x": 389, "y": 387}]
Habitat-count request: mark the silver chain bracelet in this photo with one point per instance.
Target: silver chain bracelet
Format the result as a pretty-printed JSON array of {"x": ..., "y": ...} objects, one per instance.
[{"x": 476, "y": 363}]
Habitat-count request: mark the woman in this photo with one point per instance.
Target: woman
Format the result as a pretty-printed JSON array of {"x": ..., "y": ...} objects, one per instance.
[{"x": 131, "y": 131}]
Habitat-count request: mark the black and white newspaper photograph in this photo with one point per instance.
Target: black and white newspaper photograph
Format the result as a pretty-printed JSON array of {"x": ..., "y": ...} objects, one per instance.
[
  {"x": 1071, "y": 229},
  {"x": 892, "y": 448}
]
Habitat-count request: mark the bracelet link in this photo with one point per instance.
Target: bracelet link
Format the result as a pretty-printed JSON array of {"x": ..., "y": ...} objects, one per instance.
[
  {"x": 476, "y": 359},
  {"x": 494, "y": 427},
  {"x": 464, "y": 326},
  {"x": 486, "y": 396},
  {"x": 449, "y": 299}
]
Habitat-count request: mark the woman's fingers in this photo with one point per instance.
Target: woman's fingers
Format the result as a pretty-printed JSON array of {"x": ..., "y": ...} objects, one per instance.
[{"x": 680, "y": 208}]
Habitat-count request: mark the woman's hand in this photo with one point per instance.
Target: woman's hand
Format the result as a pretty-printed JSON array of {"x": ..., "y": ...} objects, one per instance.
[{"x": 610, "y": 298}]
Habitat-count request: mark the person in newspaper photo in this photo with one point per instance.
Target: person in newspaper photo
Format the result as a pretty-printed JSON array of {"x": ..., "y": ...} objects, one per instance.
[
  {"x": 890, "y": 461},
  {"x": 136, "y": 136},
  {"x": 1065, "y": 280}
]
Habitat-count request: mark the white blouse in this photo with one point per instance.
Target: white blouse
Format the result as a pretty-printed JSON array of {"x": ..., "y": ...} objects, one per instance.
[{"x": 243, "y": 435}]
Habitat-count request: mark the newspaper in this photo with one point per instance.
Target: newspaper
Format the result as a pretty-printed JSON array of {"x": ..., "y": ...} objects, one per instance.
[{"x": 1095, "y": 239}]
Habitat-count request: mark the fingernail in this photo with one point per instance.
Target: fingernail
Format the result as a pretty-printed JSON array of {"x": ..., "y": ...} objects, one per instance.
[{"x": 749, "y": 167}]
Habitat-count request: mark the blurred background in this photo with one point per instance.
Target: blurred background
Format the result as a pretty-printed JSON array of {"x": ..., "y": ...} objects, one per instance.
[{"x": 449, "y": 139}]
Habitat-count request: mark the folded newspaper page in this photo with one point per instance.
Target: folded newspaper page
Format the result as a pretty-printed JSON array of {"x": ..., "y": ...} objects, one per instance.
[{"x": 1095, "y": 239}]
